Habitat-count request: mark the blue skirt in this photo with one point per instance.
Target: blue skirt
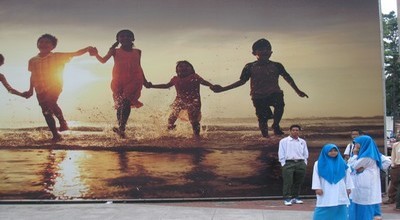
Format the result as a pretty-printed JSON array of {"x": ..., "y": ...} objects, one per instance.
[
  {"x": 358, "y": 212},
  {"x": 339, "y": 212}
]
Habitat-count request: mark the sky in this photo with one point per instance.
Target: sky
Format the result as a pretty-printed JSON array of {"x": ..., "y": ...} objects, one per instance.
[{"x": 332, "y": 49}]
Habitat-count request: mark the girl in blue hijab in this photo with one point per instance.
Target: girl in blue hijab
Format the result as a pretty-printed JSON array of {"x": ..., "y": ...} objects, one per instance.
[
  {"x": 331, "y": 166},
  {"x": 332, "y": 184},
  {"x": 368, "y": 148},
  {"x": 366, "y": 164}
]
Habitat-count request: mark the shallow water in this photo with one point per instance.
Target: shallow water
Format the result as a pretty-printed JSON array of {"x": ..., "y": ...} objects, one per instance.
[{"x": 230, "y": 160}]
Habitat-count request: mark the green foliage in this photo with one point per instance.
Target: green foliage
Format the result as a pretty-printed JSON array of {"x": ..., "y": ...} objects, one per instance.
[{"x": 392, "y": 66}]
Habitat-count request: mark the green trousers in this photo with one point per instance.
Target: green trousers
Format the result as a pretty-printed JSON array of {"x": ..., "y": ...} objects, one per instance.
[{"x": 293, "y": 174}]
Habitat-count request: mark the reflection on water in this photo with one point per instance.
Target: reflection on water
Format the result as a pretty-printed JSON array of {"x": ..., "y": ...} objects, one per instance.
[
  {"x": 237, "y": 165},
  {"x": 119, "y": 174},
  {"x": 68, "y": 178},
  {"x": 19, "y": 173}
]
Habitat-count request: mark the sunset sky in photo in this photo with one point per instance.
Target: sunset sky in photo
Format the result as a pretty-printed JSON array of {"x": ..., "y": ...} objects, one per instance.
[{"x": 332, "y": 49}]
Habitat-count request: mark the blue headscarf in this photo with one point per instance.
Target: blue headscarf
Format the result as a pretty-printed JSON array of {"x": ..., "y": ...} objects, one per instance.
[
  {"x": 368, "y": 148},
  {"x": 332, "y": 169}
]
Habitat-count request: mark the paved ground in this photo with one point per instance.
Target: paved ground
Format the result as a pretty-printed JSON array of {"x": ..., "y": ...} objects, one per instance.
[{"x": 207, "y": 210}]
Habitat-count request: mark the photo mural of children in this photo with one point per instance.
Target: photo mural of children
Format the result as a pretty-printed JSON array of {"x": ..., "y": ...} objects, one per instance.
[
  {"x": 187, "y": 84},
  {"x": 47, "y": 80},
  {"x": 3, "y": 80},
  {"x": 127, "y": 77},
  {"x": 264, "y": 87}
]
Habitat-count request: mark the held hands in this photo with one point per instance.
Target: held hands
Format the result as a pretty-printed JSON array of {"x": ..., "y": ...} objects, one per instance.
[
  {"x": 26, "y": 94},
  {"x": 216, "y": 88},
  {"x": 93, "y": 51},
  {"x": 319, "y": 192},
  {"x": 148, "y": 85}
]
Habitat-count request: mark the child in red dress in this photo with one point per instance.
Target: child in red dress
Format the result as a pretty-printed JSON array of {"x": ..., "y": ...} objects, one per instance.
[{"x": 127, "y": 77}]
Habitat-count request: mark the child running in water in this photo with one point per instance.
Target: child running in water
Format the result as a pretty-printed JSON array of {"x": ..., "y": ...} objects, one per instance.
[
  {"x": 127, "y": 77},
  {"x": 5, "y": 83},
  {"x": 47, "y": 79},
  {"x": 265, "y": 91},
  {"x": 187, "y": 85}
]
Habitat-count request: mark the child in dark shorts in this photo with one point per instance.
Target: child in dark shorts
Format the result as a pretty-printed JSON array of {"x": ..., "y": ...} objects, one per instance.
[
  {"x": 265, "y": 91},
  {"x": 47, "y": 80}
]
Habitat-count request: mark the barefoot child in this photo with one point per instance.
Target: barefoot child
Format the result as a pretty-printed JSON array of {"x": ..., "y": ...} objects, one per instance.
[
  {"x": 47, "y": 79},
  {"x": 332, "y": 183},
  {"x": 5, "y": 83},
  {"x": 127, "y": 77},
  {"x": 265, "y": 91},
  {"x": 187, "y": 85}
]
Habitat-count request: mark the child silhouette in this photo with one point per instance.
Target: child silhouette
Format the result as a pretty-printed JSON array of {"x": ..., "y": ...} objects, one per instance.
[
  {"x": 265, "y": 91},
  {"x": 127, "y": 77},
  {"x": 187, "y": 85},
  {"x": 47, "y": 79}
]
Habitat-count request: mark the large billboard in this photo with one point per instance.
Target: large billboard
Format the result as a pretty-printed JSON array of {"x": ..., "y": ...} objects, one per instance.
[{"x": 331, "y": 49}]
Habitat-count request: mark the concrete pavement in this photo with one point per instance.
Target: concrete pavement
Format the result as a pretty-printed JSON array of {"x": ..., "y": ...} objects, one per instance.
[
  {"x": 140, "y": 212},
  {"x": 213, "y": 210}
]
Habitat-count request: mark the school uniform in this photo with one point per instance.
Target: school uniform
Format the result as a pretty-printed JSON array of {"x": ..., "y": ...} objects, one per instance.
[
  {"x": 366, "y": 196},
  {"x": 293, "y": 155},
  {"x": 332, "y": 176}
]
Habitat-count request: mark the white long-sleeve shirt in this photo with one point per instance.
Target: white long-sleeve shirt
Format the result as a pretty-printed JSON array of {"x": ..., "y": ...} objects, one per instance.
[
  {"x": 292, "y": 149},
  {"x": 332, "y": 194},
  {"x": 349, "y": 149},
  {"x": 367, "y": 184}
]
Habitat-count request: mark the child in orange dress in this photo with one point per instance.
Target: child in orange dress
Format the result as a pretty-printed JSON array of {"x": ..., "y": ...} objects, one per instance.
[
  {"x": 47, "y": 79},
  {"x": 3, "y": 80},
  {"x": 187, "y": 85},
  {"x": 127, "y": 77}
]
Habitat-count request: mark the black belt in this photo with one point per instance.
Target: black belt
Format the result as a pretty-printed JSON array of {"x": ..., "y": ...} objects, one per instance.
[{"x": 299, "y": 160}]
